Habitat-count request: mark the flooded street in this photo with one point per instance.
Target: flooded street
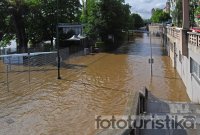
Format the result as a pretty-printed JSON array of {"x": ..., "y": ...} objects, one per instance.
[{"x": 100, "y": 84}]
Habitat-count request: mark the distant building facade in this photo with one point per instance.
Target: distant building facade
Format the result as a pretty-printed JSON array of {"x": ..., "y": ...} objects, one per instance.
[
  {"x": 167, "y": 7},
  {"x": 172, "y": 4},
  {"x": 152, "y": 11}
]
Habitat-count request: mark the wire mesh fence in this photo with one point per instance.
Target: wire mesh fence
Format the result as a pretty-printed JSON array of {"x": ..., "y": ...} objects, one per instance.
[{"x": 26, "y": 70}]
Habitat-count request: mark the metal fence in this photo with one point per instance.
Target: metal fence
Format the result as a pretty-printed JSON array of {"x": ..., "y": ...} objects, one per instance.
[{"x": 27, "y": 69}]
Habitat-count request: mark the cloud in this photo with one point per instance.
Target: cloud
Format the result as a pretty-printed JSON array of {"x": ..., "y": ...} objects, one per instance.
[
  {"x": 146, "y": 1},
  {"x": 144, "y": 7},
  {"x": 160, "y": 5}
]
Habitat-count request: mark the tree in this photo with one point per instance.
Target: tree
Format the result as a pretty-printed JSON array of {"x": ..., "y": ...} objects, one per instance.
[
  {"x": 35, "y": 20},
  {"x": 197, "y": 14},
  {"x": 18, "y": 9},
  {"x": 106, "y": 18},
  {"x": 177, "y": 17},
  {"x": 135, "y": 21},
  {"x": 90, "y": 16},
  {"x": 14, "y": 20},
  {"x": 67, "y": 12},
  {"x": 197, "y": 11},
  {"x": 159, "y": 16},
  {"x": 6, "y": 29}
]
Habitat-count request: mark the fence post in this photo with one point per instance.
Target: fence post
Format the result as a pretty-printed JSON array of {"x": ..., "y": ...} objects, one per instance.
[
  {"x": 45, "y": 63},
  {"x": 29, "y": 71},
  {"x": 10, "y": 61},
  {"x": 146, "y": 99},
  {"x": 7, "y": 79}
]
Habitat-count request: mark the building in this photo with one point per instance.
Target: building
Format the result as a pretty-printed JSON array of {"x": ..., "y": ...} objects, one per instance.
[
  {"x": 167, "y": 7},
  {"x": 172, "y": 4},
  {"x": 184, "y": 51},
  {"x": 152, "y": 11},
  {"x": 186, "y": 59}
]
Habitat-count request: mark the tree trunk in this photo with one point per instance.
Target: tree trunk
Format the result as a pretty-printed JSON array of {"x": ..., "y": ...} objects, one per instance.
[
  {"x": 20, "y": 30},
  {"x": 51, "y": 36},
  {"x": 51, "y": 42}
]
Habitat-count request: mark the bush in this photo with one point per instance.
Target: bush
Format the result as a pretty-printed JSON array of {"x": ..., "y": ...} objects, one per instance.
[
  {"x": 100, "y": 45},
  {"x": 48, "y": 47}
]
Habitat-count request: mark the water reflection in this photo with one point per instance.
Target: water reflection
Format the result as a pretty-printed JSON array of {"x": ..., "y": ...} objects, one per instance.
[{"x": 102, "y": 85}]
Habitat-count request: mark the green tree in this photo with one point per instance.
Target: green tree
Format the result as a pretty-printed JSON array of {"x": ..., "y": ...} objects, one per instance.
[
  {"x": 197, "y": 14},
  {"x": 159, "y": 16},
  {"x": 106, "y": 18},
  {"x": 197, "y": 11},
  {"x": 90, "y": 16},
  {"x": 35, "y": 20},
  {"x": 19, "y": 10},
  {"x": 16, "y": 21},
  {"x": 177, "y": 17},
  {"x": 67, "y": 12},
  {"x": 135, "y": 21},
  {"x": 6, "y": 32}
]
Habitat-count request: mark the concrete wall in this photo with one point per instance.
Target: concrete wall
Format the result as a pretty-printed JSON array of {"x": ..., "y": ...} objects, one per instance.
[
  {"x": 182, "y": 64},
  {"x": 181, "y": 50},
  {"x": 194, "y": 82},
  {"x": 155, "y": 29}
]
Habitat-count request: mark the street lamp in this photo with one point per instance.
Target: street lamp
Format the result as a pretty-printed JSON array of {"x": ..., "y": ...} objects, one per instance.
[
  {"x": 151, "y": 57},
  {"x": 57, "y": 42}
]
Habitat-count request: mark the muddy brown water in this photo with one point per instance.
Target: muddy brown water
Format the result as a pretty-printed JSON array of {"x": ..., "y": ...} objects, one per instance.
[{"x": 99, "y": 84}]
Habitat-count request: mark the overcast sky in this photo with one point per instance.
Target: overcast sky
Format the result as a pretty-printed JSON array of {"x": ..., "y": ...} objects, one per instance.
[{"x": 143, "y": 7}]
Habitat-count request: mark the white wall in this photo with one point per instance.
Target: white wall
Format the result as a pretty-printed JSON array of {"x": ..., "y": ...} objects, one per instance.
[
  {"x": 191, "y": 82},
  {"x": 194, "y": 83},
  {"x": 183, "y": 67},
  {"x": 12, "y": 47}
]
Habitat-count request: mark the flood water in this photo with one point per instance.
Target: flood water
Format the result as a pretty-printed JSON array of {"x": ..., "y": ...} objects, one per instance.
[{"x": 99, "y": 84}]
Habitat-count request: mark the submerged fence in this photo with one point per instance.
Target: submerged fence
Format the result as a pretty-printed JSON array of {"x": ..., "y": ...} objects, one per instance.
[{"x": 26, "y": 69}]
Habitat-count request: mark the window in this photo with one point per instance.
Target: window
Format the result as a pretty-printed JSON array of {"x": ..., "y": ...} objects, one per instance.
[
  {"x": 180, "y": 57},
  {"x": 194, "y": 68},
  {"x": 199, "y": 71}
]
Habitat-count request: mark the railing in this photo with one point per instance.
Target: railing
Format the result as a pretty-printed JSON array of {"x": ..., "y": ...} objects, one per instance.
[
  {"x": 156, "y": 24},
  {"x": 173, "y": 32},
  {"x": 139, "y": 108},
  {"x": 194, "y": 38},
  {"x": 156, "y": 29},
  {"x": 198, "y": 41},
  {"x": 27, "y": 71}
]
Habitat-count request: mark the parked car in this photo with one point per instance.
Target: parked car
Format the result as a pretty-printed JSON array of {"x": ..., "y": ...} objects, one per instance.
[{"x": 195, "y": 29}]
